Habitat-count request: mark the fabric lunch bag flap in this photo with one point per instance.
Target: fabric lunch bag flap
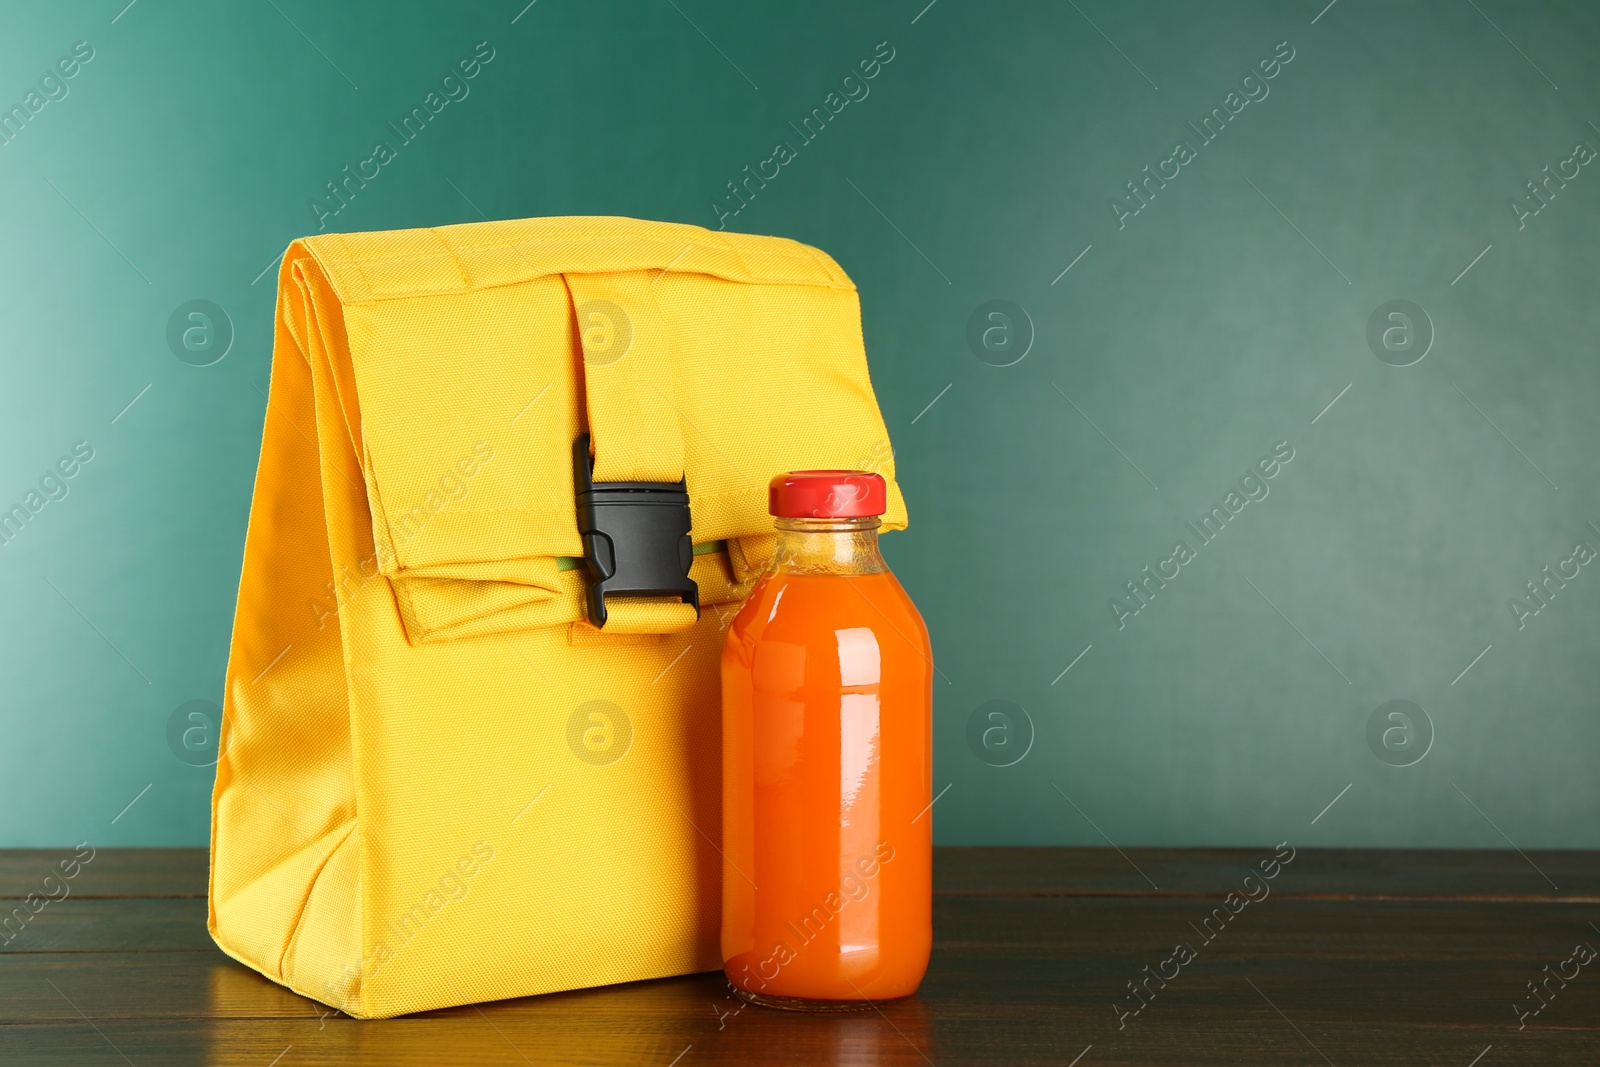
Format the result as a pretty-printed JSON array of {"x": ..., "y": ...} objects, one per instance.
[
  {"x": 441, "y": 783},
  {"x": 479, "y": 353}
]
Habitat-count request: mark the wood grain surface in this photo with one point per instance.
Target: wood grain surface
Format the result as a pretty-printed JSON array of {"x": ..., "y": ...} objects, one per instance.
[{"x": 1353, "y": 957}]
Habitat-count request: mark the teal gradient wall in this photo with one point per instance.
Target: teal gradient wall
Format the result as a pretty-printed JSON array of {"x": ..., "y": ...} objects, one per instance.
[{"x": 1153, "y": 344}]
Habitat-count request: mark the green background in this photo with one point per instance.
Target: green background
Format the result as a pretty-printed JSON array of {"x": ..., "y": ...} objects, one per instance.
[{"x": 1219, "y": 321}]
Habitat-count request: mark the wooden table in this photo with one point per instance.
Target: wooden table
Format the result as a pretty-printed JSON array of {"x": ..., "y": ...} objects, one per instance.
[{"x": 1353, "y": 957}]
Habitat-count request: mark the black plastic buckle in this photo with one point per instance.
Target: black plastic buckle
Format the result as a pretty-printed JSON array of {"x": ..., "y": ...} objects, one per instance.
[{"x": 635, "y": 537}]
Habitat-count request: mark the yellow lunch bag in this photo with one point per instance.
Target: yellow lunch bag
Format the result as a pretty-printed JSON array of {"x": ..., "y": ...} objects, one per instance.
[{"x": 512, "y": 489}]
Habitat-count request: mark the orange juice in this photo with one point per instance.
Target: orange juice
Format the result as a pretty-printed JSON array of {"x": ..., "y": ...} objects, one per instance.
[{"x": 827, "y": 763}]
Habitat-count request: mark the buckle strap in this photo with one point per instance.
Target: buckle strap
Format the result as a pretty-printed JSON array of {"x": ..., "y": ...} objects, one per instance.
[
  {"x": 632, "y": 498},
  {"x": 627, "y": 345}
]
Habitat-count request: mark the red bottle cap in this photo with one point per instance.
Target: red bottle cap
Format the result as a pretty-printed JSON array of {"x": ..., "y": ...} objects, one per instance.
[{"x": 827, "y": 495}]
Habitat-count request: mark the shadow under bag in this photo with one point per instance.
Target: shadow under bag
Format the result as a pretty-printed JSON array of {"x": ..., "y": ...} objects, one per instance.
[{"x": 441, "y": 782}]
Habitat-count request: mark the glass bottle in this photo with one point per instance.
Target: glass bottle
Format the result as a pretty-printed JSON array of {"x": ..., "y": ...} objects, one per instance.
[{"x": 827, "y": 695}]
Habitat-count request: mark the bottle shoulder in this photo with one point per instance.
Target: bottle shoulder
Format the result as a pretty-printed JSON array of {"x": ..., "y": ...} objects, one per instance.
[{"x": 786, "y": 606}]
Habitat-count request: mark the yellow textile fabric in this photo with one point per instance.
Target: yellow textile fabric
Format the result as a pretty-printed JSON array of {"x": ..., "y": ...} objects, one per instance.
[
  {"x": 632, "y": 414},
  {"x": 440, "y": 784}
]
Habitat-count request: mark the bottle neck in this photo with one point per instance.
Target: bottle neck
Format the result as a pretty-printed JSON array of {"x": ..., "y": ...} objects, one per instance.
[{"x": 828, "y": 546}]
